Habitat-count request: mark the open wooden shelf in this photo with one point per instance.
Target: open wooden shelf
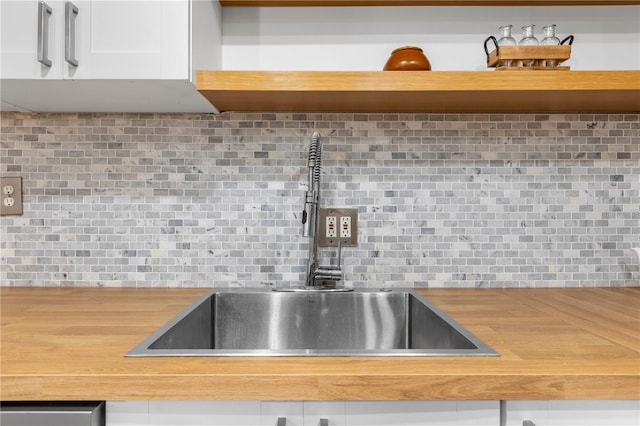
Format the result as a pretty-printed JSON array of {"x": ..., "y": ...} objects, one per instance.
[
  {"x": 422, "y": 91},
  {"x": 297, "y": 3}
]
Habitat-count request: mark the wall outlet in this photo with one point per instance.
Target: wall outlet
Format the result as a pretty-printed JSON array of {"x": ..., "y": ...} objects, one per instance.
[
  {"x": 338, "y": 224},
  {"x": 11, "y": 196},
  {"x": 345, "y": 226},
  {"x": 331, "y": 227}
]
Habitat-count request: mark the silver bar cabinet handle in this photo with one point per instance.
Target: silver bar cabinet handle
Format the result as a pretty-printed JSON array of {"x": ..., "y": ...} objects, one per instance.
[
  {"x": 282, "y": 421},
  {"x": 44, "y": 13},
  {"x": 70, "y": 13},
  {"x": 528, "y": 423},
  {"x": 323, "y": 422}
]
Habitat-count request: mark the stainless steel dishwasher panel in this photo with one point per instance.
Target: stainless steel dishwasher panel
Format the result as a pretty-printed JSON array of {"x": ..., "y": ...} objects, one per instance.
[{"x": 85, "y": 413}]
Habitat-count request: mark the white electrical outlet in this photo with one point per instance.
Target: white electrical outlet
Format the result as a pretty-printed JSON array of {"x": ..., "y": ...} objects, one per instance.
[
  {"x": 331, "y": 227},
  {"x": 345, "y": 226},
  {"x": 11, "y": 196}
]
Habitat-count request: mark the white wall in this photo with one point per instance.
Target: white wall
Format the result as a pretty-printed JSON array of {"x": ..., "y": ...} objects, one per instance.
[{"x": 361, "y": 38}]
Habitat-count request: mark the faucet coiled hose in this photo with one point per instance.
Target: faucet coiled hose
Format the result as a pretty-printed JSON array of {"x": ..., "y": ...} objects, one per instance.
[
  {"x": 315, "y": 156},
  {"x": 310, "y": 212}
]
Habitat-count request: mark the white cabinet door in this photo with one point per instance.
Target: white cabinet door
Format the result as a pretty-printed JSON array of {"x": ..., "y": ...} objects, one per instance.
[
  {"x": 334, "y": 412},
  {"x": 423, "y": 413},
  {"x": 204, "y": 413},
  {"x": 304, "y": 413},
  {"x": 291, "y": 411},
  {"x": 19, "y": 39},
  {"x": 183, "y": 413},
  {"x": 574, "y": 413},
  {"x": 144, "y": 39},
  {"x": 127, "y": 413}
]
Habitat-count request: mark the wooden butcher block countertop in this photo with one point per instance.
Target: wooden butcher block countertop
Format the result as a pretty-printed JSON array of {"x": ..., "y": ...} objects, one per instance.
[{"x": 68, "y": 344}]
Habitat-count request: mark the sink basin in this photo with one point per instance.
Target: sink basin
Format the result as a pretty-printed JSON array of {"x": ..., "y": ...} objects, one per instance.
[{"x": 261, "y": 322}]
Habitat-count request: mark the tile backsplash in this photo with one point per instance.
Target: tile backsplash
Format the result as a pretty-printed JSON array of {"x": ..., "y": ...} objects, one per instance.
[{"x": 460, "y": 200}]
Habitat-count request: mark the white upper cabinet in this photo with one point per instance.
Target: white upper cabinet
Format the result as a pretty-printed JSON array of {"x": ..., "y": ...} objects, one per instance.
[
  {"x": 107, "y": 55},
  {"x": 26, "y": 26},
  {"x": 95, "y": 39}
]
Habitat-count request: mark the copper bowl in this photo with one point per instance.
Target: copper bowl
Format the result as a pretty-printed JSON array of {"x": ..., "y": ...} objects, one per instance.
[{"x": 407, "y": 58}]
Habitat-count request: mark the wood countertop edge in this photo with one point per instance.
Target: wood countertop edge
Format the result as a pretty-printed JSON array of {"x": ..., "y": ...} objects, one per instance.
[
  {"x": 361, "y": 379},
  {"x": 311, "y": 387}
]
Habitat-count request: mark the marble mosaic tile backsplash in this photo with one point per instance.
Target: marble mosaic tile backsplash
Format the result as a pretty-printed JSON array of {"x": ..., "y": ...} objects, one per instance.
[{"x": 460, "y": 200}]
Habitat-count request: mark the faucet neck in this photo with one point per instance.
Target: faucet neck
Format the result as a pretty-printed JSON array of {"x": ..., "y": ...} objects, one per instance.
[
  {"x": 310, "y": 216},
  {"x": 311, "y": 220}
]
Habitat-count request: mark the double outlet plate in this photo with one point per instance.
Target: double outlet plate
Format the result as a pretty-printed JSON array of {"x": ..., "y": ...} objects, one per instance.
[
  {"x": 338, "y": 224},
  {"x": 11, "y": 196}
]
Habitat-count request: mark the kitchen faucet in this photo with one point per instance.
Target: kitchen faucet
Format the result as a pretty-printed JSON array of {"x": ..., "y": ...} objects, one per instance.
[{"x": 316, "y": 274}]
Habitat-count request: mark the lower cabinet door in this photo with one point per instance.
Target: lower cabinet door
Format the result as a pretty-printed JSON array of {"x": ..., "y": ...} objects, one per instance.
[
  {"x": 423, "y": 413},
  {"x": 303, "y": 413},
  {"x": 574, "y": 413},
  {"x": 183, "y": 413},
  {"x": 282, "y": 413}
]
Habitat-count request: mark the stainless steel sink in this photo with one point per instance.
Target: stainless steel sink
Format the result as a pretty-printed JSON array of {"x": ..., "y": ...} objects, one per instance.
[{"x": 264, "y": 323}]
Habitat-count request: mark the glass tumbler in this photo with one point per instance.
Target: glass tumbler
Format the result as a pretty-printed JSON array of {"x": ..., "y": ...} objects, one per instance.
[
  {"x": 528, "y": 39},
  {"x": 506, "y": 40}
]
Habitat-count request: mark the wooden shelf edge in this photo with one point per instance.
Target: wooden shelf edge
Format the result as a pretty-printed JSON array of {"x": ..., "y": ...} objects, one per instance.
[
  {"x": 333, "y": 3},
  {"x": 419, "y": 91},
  {"x": 358, "y": 81}
]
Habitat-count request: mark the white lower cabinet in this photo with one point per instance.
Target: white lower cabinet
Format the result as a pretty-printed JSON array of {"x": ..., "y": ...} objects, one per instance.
[
  {"x": 303, "y": 413},
  {"x": 373, "y": 413},
  {"x": 574, "y": 413}
]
